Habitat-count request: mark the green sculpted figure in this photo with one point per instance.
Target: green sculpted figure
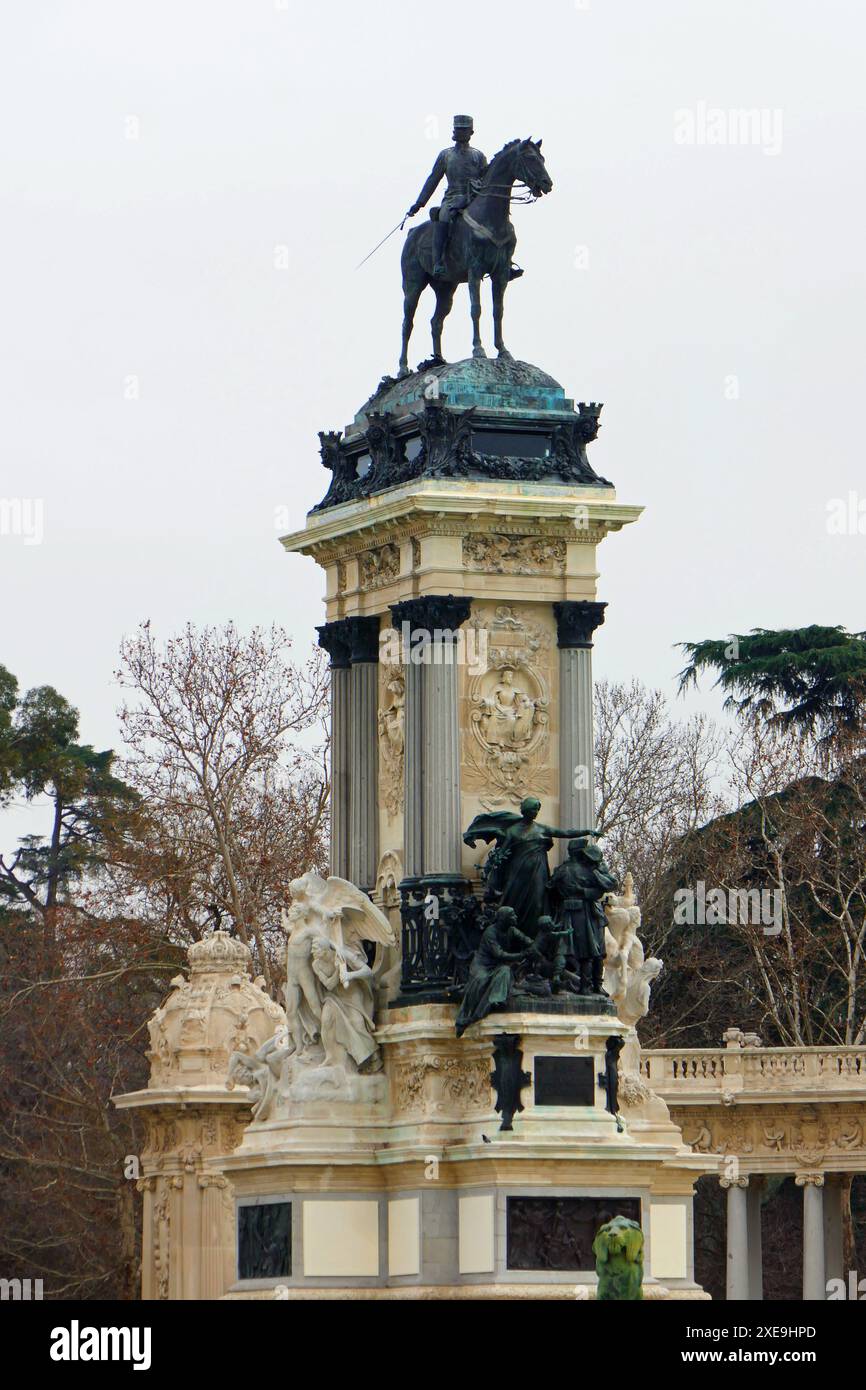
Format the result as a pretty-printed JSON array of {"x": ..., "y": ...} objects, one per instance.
[
  {"x": 516, "y": 871},
  {"x": 618, "y": 1250},
  {"x": 462, "y": 168}
]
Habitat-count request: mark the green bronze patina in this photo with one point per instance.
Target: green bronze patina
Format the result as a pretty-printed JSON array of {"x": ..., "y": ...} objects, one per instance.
[
  {"x": 618, "y": 1250},
  {"x": 511, "y": 388}
]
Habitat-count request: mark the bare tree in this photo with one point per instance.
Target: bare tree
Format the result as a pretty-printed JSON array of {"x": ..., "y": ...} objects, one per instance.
[
  {"x": 797, "y": 836},
  {"x": 226, "y": 743},
  {"x": 70, "y": 1040},
  {"x": 657, "y": 779}
]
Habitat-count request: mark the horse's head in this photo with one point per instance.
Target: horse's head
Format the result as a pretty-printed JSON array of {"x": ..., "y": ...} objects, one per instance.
[{"x": 530, "y": 168}]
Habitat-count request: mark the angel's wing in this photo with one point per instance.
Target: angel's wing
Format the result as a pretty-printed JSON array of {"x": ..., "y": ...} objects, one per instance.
[{"x": 359, "y": 918}]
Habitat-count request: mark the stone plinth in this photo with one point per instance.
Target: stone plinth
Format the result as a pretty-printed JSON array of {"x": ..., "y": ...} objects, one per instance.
[{"x": 434, "y": 1200}]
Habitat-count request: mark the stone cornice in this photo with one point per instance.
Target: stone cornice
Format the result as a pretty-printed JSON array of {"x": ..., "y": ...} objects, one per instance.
[
  {"x": 370, "y": 538},
  {"x": 183, "y": 1097},
  {"x": 584, "y": 515}
]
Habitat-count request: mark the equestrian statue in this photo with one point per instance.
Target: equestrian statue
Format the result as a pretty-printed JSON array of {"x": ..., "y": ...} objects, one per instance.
[{"x": 471, "y": 235}]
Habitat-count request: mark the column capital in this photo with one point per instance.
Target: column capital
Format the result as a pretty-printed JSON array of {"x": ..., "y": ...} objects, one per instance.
[
  {"x": 809, "y": 1179},
  {"x": 334, "y": 639},
  {"x": 206, "y": 1180},
  {"x": 577, "y": 621},
  {"x": 363, "y": 639},
  {"x": 441, "y": 614},
  {"x": 733, "y": 1182}
]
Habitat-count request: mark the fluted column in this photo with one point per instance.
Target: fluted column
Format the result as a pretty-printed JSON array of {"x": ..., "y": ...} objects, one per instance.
[
  {"x": 363, "y": 636},
  {"x": 575, "y": 624},
  {"x": 814, "y": 1277},
  {"x": 430, "y": 630},
  {"x": 334, "y": 638},
  {"x": 413, "y": 773},
  {"x": 192, "y": 1237},
  {"x": 213, "y": 1243},
  {"x": 737, "y": 1280}
]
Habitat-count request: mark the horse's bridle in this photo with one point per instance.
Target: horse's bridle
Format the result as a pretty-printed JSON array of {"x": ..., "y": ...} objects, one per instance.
[{"x": 529, "y": 197}]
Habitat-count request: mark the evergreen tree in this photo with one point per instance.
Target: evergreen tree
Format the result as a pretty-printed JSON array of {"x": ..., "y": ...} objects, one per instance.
[{"x": 809, "y": 680}]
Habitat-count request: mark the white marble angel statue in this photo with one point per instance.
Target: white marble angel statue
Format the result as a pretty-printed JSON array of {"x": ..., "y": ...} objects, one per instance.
[
  {"x": 329, "y": 983},
  {"x": 628, "y": 975}
]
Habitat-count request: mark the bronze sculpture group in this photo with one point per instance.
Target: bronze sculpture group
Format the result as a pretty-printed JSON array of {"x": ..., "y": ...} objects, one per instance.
[{"x": 541, "y": 934}]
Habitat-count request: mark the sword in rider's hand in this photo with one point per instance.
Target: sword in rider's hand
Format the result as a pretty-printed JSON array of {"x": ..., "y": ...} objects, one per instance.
[{"x": 399, "y": 227}]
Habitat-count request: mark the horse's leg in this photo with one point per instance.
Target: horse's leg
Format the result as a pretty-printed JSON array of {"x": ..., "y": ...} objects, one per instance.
[
  {"x": 499, "y": 284},
  {"x": 411, "y": 294},
  {"x": 475, "y": 302},
  {"x": 444, "y": 300}
]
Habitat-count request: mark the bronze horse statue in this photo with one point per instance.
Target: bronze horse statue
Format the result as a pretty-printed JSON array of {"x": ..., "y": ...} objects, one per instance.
[{"x": 482, "y": 242}]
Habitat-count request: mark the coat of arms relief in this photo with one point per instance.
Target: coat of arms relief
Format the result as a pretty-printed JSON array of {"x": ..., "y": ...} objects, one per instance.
[{"x": 507, "y": 740}]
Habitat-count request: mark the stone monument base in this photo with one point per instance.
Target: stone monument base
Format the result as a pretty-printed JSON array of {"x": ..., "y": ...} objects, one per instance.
[{"x": 425, "y": 1194}]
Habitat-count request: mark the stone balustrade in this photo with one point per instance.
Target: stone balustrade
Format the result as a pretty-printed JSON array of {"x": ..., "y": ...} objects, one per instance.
[
  {"x": 783, "y": 1111},
  {"x": 698, "y": 1075}
]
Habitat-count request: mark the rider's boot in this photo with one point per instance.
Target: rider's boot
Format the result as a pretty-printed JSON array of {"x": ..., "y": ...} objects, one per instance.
[{"x": 440, "y": 243}]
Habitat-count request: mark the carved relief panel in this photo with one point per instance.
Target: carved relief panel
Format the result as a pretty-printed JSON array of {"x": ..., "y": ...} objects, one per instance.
[
  {"x": 392, "y": 737},
  {"x": 379, "y": 567},
  {"x": 506, "y": 731},
  {"x": 500, "y": 553}
]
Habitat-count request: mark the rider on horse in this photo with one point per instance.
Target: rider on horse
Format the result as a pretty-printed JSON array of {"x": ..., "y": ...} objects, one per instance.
[{"x": 462, "y": 167}]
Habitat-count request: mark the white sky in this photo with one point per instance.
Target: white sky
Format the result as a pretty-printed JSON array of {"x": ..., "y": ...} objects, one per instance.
[{"x": 312, "y": 126}]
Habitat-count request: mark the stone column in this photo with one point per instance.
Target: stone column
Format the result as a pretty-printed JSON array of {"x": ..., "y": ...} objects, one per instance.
[
  {"x": 575, "y": 624},
  {"x": 192, "y": 1243},
  {"x": 432, "y": 811},
  {"x": 363, "y": 634},
  {"x": 213, "y": 1246},
  {"x": 334, "y": 638},
  {"x": 756, "y": 1257},
  {"x": 429, "y": 629},
  {"x": 737, "y": 1281},
  {"x": 413, "y": 745},
  {"x": 814, "y": 1278}
]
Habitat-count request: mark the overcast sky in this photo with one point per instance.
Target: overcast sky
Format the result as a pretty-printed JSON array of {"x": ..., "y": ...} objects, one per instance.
[{"x": 165, "y": 364}]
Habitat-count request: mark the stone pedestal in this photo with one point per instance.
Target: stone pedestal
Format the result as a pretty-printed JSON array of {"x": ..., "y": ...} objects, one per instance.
[{"x": 433, "y": 1199}]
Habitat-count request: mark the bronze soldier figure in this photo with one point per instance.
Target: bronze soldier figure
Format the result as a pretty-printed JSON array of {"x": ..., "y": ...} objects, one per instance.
[
  {"x": 578, "y": 886},
  {"x": 462, "y": 167}
]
